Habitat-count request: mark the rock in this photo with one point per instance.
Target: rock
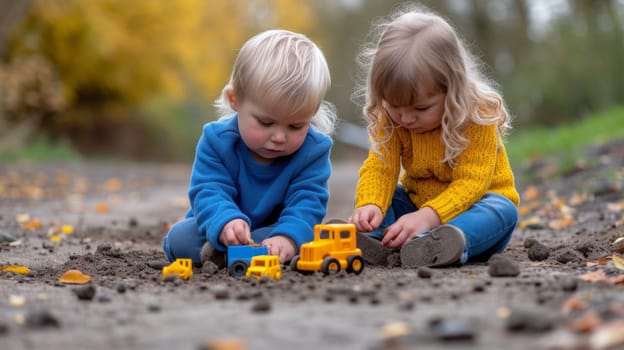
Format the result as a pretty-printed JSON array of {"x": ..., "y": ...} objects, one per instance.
[
  {"x": 41, "y": 318},
  {"x": 528, "y": 319},
  {"x": 425, "y": 272},
  {"x": 453, "y": 329},
  {"x": 501, "y": 266},
  {"x": 86, "y": 292},
  {"x": 538, "y": 252},
  {"x": 261, "y": 306}
]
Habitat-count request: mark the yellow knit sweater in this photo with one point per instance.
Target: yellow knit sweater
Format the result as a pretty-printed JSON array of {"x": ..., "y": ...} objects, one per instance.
[{"x": 482, "y": 167}]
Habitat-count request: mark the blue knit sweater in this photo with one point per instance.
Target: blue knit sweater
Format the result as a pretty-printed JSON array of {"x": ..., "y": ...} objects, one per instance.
[{"x": 227, "y": 183}]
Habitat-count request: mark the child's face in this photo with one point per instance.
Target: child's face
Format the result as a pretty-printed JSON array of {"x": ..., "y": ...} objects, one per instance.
[
  {"x": 425, "y": 115},
  {"x": 271, "y": 132}
]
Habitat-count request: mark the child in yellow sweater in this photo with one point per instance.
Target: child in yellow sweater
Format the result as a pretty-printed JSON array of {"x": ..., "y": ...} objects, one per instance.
[{"x": 437, "y": 123}]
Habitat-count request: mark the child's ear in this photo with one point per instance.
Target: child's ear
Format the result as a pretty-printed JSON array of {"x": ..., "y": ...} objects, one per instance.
[{"x": 229, "y": 94}]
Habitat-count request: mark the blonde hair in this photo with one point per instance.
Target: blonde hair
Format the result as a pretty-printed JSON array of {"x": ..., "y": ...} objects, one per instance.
[
  {"x": 418, "y": 53},
  {"x": 279, "y": 67}
]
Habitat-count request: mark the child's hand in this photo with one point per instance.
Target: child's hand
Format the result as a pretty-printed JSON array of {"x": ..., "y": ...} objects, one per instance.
[
  {"x": 281, "y": 246},
  {"x": 366, "y": 218},
  {"x": 235, "y": 232},
  {"x": 408, "y": 226}
]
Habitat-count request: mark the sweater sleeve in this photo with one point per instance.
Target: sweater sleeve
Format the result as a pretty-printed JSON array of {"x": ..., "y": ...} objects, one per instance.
[
  {"x": 379, "y": 175},
  {"x": 212, "y": 191},
  {"x": 305, "y": 202},
  {"x": 472, "y": 175}
]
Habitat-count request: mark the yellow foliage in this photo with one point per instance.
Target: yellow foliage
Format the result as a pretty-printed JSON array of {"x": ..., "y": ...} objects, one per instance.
[{"x": 130, "y": 50}]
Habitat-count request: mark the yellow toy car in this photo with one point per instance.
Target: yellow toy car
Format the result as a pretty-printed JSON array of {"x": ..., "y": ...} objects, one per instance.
[
  {"x": 264, "y": 265},
  {"x": 180, "y": 267},
  {"x": 334, "y": 248}
]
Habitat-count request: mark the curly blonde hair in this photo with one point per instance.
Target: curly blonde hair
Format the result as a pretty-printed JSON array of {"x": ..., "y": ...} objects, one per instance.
[
  {"x": 417, "y": 53},
  {"x": 283, "y": 68}
]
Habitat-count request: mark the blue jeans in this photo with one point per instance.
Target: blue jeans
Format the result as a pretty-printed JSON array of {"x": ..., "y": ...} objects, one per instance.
[
  {"x": 487, "y": 224},
  {"x": 185, "y": 241}
]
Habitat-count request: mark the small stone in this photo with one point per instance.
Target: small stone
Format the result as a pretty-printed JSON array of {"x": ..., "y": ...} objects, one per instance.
[
  {"x": 538, "y": 252},
  {"x": 153, "y": 308},
  {"x": 157, "y": 264},
  {"x": 454, "y": 329},
  {"x": 261, "y": 306},
  {"x": 501, "y": 266},
  {"x": 121, "y": 288},
  {"x": 86, "y": 292},
  {"x": 569, "y": 256},
  {"x": 425, "y": 272},
  {"x": 41, "y": 318},
  {"x": 529, "y": 320},
  {"x": 529, "y": 242},
  {"x": 6, "y": 238},
  {"x": 569, "y": 284}
]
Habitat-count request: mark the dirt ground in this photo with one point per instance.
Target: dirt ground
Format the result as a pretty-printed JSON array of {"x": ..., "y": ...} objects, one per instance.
[{"x": 555, "y": 287}]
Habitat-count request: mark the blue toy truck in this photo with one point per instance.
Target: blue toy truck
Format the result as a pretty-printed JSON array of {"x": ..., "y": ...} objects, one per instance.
[{"x": 239, "y": 258}]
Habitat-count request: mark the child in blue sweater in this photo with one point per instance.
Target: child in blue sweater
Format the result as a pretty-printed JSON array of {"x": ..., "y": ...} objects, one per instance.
[{"x": 261, "y": 171}]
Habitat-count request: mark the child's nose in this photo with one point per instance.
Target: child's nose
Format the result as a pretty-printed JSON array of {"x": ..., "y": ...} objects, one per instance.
[{"x": 278, "y": 136}]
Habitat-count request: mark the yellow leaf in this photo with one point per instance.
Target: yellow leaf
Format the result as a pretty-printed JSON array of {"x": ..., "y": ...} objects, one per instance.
[
  {"x": 67, "y": 229},
  {"x": 22, "y": 270},
  {"x": 530, "y": 193},
  {"x": 618, "y": 261},
  {"x": 112, "y": 185},
  {"x": 22, "y": 218},
  {"x": 74, "y": 277},
  {"x": 560, "y": 223},
  {"x": 55, "y": 238},
  {"x": 529, "y": 221},
  {"x": 102, "y": 208},
  {"x": 32, "y": 224}
]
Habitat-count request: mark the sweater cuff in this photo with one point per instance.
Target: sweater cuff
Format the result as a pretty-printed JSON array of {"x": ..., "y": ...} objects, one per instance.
[{"x": 445, "y": 209}]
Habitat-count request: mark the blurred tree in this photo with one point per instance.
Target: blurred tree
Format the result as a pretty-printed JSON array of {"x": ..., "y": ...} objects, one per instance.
[{"x": 113, "y": 55}]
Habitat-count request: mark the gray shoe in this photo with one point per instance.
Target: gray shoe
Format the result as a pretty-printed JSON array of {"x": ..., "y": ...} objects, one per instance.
[
  {"x": 373, "y": 252},
  {"x": 209, "y": 254},
  {"x": 443, "y": 246}
]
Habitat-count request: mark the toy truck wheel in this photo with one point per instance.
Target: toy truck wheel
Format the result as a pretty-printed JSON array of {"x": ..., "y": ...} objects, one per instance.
[
  {"x": 293, "y": 263},
  {"x": 238, "y": 268},
  {"x": 355, "y": 264},
  {"x": 330, "y": 265}
]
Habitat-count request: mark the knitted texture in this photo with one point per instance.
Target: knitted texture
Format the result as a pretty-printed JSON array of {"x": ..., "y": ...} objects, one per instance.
[{"x": 482, "y": 167}]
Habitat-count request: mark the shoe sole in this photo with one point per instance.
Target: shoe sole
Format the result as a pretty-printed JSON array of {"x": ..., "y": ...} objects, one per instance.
[
  {"x": 442, "y": 247},
  {"x": 373, "y": 252}
]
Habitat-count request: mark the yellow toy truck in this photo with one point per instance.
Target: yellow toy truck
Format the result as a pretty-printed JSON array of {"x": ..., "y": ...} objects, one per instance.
[
  {"x": 334, "y": 248},
  {"x": 182, "y": 267},
  {"x": 265, "y": 265}
]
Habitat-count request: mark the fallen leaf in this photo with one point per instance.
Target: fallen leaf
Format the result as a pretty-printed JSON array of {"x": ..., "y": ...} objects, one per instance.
[
  {"x": 74, "y": 277},
  {"x": 601, "y": 276},
  {"x": 585, "y": 323},
  {"x": 112, "y": 185},
  {"x": 608, "y": 336},
  {"x": 17, "y": 300},
  {"x": 600, "y": 261},
  {"x": 530, "y": 221},
  {"x": 530, "y": 193},
  {"x": 22, "y": 218},
  {"x": 102, "y": 208},
  {"x": 573, "y": 304},
  {"x": 32, "y": 224},
  {"x": 67, "y": 229},
  {"x": 22, "y": 270},
  {"x": 394, "y": 330},
  {"x": 618, "y": 261},
  {"x": 559, "y": 224}
]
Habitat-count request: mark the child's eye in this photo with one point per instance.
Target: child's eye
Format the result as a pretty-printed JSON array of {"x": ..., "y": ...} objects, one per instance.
[
  {"x": 264, "y": 122},
  {"x": 295, "y": 127}
]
